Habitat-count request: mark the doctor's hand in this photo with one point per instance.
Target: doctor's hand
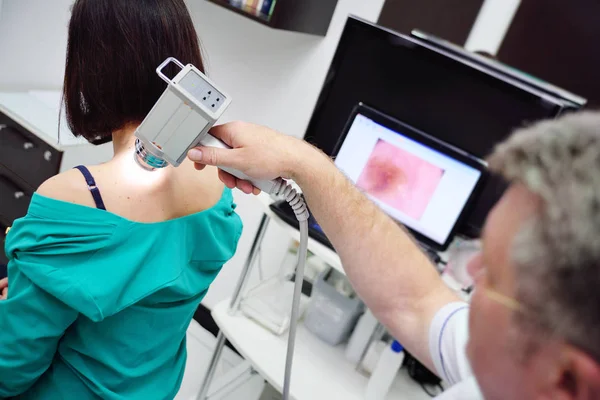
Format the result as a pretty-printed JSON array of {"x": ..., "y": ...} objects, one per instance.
[{"x": 257, "y": 151}]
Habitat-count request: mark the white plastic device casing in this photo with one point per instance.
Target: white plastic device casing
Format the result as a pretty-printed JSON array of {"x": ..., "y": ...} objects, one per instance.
[{"x": 182, "y": 117}]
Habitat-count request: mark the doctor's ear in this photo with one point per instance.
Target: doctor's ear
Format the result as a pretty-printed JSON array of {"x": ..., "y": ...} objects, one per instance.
[{"x": 576, "y": 376}]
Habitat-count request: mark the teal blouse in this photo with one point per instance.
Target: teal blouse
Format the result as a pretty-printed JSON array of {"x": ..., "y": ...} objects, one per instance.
[{"x": 98, "y": 305}]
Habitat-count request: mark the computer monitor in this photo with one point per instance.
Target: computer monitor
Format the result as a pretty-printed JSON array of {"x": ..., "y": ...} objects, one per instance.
[
  {"x": 571, "y": 100},
  {"x": 453, "y": 99},
  {"x": 422, "y": 182}
]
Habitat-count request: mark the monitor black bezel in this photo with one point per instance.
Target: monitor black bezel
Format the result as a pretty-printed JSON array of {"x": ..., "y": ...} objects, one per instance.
[
  {"x": 433, "y": 143},
  {"x": 471, "y": 226},
  {"x": 569, "y": 99},
  {"x": 354, "y": 22}
]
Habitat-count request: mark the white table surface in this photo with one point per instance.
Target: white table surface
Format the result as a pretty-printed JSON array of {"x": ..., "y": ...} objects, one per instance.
[
  {"x": 320, "y": 371},
  {"x": 38, "y": 111}
]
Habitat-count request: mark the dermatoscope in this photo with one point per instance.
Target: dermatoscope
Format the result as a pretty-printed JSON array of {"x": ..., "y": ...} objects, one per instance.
[{"x": 179, "y": 121}]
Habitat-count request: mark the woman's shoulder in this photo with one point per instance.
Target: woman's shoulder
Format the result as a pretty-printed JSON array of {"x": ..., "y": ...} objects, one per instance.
[
  {"x": 69, "y": 186},
  {"x": 132, "y": 196}
]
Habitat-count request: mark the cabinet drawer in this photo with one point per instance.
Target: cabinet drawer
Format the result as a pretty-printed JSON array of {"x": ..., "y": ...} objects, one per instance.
[
  {"x": 3, "y": 259},
  {"x": 14, "y": 197},
  {"x": 21, "y": 151}
]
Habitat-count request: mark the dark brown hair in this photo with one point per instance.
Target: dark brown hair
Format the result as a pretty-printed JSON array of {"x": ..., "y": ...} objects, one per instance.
[{"x": 113, "y": 50}]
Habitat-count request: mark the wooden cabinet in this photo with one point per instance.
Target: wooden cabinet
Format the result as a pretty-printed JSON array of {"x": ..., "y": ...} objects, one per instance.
[
  {"x": 29, "y": 150},
  {"x": 15, "y": 195},
  {"x": 29, "y": 157},
  {"x": 26, "y": 160}
]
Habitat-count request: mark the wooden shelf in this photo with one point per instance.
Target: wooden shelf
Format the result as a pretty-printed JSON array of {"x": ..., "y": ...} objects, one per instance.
[
  {"x": 306, "y": 16},
  {"x": 261, "y": 18}
]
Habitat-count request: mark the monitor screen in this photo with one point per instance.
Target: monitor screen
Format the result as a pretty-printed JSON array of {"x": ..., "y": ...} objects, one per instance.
[
  {"x": 419, "y": 181},
  {"x": 470, "y": 108}
]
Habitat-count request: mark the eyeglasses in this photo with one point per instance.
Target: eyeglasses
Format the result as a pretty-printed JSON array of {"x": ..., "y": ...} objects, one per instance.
[
  {"x": 495, "y": 295},
  {"x": 503, "y": 299}
]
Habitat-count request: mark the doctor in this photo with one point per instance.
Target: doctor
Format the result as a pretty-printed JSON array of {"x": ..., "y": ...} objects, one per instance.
[{"x": 532, "y": 329}]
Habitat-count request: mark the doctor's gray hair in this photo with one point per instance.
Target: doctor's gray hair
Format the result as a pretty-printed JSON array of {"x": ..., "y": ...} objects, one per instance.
[{"x": 557, "y": 253}]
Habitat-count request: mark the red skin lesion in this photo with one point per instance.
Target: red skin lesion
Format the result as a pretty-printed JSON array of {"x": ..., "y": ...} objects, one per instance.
[
  {"x": 400, "y": 179},
  {"x": 381, "y": 175}
]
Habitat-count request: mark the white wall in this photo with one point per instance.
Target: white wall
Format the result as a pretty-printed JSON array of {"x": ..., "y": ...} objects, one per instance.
[
  {"x": 491, "y": 25},
  {"x": 33, "y": 39},
  {"x": 273, "y": 76}
]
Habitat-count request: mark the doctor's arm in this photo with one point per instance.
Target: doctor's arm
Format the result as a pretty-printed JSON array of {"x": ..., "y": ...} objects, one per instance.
[
  {"x": 387, "y": 269},
  {"x": 31, "y": 324}
]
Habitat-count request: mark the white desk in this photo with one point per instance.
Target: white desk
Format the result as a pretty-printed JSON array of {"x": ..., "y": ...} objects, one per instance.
[
  {"x": 328, "y": 255},
  {"x": 320, "y": 371}
]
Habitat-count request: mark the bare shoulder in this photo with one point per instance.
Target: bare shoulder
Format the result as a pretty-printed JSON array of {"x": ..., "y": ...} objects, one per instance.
[
  {"x": 206, "y": 182},
  {"x": 68, "y": 186},
  {"x": 141, "y": 197}
]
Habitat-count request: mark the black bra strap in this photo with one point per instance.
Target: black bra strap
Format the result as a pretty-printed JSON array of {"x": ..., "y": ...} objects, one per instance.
[{"x": 92, "y": 187}]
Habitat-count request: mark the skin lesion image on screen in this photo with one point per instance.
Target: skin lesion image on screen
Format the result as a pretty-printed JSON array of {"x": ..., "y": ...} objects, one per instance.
[{"x": 400, "y": 179}]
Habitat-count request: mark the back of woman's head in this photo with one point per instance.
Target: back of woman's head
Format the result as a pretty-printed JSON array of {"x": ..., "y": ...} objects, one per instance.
[{"x": 113, "y": 50}]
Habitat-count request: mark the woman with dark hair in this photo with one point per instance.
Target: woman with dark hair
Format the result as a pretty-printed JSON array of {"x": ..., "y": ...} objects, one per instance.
[{"x": 111, "y": 261}]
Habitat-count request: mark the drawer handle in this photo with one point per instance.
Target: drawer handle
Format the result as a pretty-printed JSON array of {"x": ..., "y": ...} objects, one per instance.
[
  {"x": 27, "y": 144},
  {"x": 12, "y": 186},
  {"x": 47, "y": 155}
]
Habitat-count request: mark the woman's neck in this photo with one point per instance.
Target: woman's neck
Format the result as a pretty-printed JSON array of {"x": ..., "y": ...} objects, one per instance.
[{"x": 124, "y": 140}]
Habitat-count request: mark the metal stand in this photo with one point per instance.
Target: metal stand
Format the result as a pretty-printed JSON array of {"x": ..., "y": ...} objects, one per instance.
[{"x": 235, "y": 304}]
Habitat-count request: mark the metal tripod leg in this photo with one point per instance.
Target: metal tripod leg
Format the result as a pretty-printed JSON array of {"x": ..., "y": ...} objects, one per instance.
[
  {"x": 212, "y": 367},
  {"x": 241, "y": 284},
  {"x": 235, "y": 304}
]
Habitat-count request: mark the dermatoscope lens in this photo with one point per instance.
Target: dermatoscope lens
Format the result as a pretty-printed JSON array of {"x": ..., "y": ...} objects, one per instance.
[{"x": 146, "y": 159}]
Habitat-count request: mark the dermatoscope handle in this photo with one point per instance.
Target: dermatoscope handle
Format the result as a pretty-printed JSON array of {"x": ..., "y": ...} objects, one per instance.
[{"x": 267, "y": 186}]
